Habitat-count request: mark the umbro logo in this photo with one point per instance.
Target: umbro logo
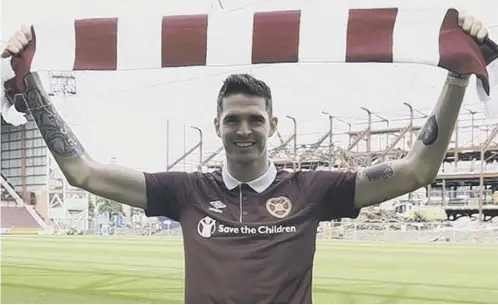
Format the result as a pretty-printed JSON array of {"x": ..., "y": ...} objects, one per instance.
[{"x": 217, "y": 206}]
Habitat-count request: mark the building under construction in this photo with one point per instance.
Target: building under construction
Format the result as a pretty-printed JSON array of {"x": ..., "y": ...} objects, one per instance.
[
  {"x": 467, "y": 183},
  {"x": 36, "y": 195}
]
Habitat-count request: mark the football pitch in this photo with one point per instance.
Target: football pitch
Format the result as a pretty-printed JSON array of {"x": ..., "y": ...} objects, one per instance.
[{"x": 118, "y": 269}]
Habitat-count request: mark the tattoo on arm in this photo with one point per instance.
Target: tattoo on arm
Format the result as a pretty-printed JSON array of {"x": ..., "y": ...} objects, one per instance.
[
  {"x": 59, "y": 137},
  {"x": 429, "y": 132},
  {"x": 377, "y": 172},
  {"x": 381, "y": 182}
]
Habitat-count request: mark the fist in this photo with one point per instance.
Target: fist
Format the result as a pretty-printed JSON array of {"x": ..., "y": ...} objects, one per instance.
[
  {"x": 473, "y": 27},
  {"x": 21, "y": 48},
  {"x": 18, "y": 42}
]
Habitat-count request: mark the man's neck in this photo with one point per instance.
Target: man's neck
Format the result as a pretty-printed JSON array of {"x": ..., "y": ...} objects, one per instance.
[{"x": 246, "y": 172}]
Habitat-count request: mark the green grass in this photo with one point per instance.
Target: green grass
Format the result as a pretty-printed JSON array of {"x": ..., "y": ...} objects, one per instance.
[{"x": 87, "y": 269}]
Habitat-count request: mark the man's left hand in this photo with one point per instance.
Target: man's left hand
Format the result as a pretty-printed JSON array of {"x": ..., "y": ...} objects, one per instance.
[{"x": 473, "y": 27}]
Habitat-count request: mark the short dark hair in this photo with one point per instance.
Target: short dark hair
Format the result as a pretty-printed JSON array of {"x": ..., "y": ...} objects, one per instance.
[{"x": 245, "y": 84}]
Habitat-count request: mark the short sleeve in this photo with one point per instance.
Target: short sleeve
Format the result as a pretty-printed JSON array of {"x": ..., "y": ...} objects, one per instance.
[
  {"x": 167, "y": 193},
  {"x": 335, "y": 192}
]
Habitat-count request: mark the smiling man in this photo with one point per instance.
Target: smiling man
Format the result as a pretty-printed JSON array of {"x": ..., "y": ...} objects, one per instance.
[
  {"x": 249, "y": 230},
  {"x": 244, "y": 122}
]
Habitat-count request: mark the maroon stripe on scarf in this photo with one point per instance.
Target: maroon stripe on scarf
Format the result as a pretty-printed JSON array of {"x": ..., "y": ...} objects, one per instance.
[
  {"x": 370, "y": 35},
  {"x": 184, "y": 40},
  {"x": 458, "y": 52},
  {"x": 276, "y": 37},
  {"x": 96, "y": 44}
]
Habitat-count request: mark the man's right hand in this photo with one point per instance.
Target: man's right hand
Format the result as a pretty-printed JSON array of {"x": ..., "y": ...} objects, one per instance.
[
  {"x": 21, "y": 47},
  {"x": 18, "y": 42}
]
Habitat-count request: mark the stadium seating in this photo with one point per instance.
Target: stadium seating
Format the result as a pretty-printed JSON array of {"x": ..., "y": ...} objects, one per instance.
[{"x": 17, "y": 217}]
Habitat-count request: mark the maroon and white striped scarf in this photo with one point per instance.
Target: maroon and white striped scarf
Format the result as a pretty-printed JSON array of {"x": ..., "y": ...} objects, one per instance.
[{"x": 312, "y": 35}]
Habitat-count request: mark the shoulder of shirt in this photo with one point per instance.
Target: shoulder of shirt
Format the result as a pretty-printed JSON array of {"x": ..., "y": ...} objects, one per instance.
[
  {"x": 205, "y": 175},
  {"x": 297, "y": 175},
  {"x": 191, "y": 175},
  {"x": 311, "y": 174},
  {"x": 210, "y": 176}
]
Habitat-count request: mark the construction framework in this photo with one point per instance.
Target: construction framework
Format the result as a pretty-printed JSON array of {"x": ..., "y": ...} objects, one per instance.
[{"x": 460, "y": 191}]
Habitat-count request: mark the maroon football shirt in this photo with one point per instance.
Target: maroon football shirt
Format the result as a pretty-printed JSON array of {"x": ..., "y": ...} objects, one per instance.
[{"x": 254, "y": 242}]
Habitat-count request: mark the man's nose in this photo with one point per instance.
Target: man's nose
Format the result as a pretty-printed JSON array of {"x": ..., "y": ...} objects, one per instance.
[{"x": 244, "y": 129}]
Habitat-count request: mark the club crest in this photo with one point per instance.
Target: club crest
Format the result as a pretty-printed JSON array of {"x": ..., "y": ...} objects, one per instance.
[{"x": 279, "y": 207}]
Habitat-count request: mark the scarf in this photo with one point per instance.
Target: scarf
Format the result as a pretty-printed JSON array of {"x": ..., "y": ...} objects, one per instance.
[{"x": 312, "y": 35}]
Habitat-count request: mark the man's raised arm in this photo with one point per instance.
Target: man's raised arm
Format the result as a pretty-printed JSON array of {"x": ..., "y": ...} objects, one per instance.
[
  {"x": 385, "y": 181},
  {"x": 110, "y": 181}
]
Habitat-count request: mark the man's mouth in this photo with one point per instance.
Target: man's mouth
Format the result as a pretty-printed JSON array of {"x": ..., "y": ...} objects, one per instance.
[{"x": 244, "y": 144}]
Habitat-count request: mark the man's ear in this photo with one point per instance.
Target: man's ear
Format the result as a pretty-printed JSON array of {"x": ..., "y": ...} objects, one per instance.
[
  {"x": 217, "y": 126},
  {"x": 273, "y": 125}
]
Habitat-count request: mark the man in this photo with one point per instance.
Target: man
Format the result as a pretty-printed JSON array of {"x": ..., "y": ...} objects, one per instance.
[{"x": 249, "y": 230}]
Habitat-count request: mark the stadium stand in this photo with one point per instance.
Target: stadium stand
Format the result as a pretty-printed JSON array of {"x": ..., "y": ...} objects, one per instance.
[{"x": 16, "y": 216}]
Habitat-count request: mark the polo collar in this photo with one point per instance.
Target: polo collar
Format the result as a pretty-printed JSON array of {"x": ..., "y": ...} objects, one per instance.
[{"x": 259, "y": 184}]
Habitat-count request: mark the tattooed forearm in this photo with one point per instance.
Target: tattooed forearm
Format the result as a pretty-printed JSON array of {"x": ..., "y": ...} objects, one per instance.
[{"x": 59, "y": 137}]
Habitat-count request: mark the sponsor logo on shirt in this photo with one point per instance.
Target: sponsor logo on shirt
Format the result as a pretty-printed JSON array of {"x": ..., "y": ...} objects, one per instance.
[
  {"x": 208, "y": 227},
  {"x": 217, "y": 206}
]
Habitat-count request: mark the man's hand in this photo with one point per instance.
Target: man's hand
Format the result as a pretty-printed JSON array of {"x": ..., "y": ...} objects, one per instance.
[
  {"x": 473, "y": 27},
  {"x": 18, "y": 42},
  {"x": 21, "y": 47}
]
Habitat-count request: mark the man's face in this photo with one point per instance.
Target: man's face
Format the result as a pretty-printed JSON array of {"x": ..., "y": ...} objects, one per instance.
[{"x": 244, "y": 127}]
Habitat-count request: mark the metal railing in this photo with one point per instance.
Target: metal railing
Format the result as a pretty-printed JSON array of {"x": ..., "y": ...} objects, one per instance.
[{"x": 462, "y": 231}]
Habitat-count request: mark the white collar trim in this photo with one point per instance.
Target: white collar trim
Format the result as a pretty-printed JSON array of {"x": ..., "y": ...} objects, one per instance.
[{"x": 259, "y": 184}]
